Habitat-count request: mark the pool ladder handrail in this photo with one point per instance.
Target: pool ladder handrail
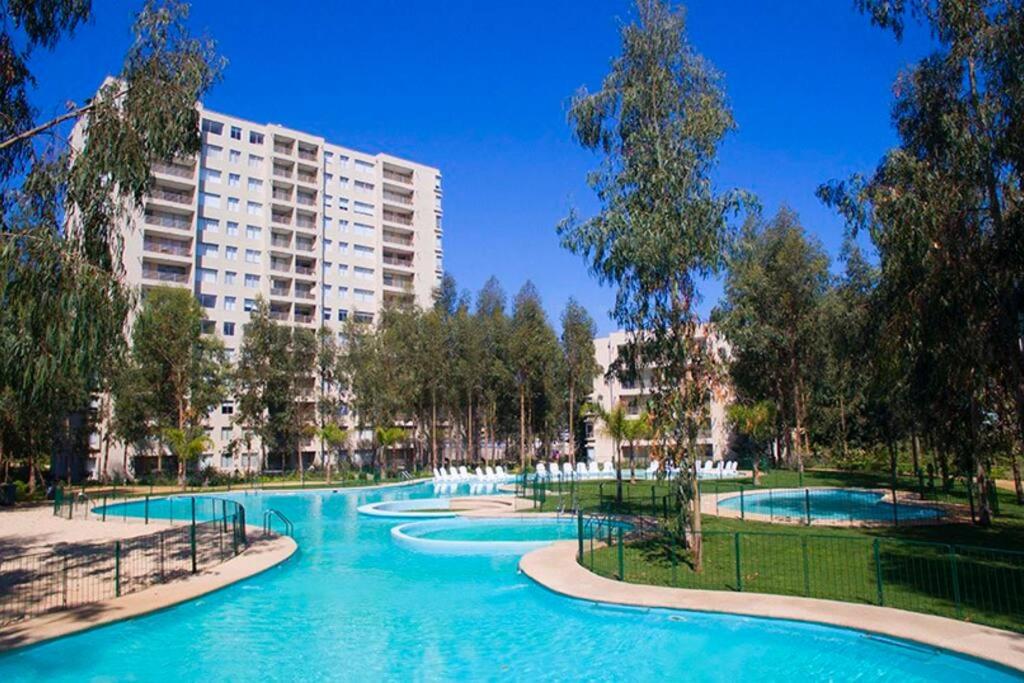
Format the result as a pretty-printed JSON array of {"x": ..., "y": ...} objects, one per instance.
[{"x": 268, "y": 522}]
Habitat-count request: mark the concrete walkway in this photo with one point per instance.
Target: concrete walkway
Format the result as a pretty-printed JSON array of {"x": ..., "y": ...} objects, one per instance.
[{"x": 555, "y": 568}]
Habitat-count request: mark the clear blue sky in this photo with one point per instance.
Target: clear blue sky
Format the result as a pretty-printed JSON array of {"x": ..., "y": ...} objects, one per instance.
[{"x": 479, "y": 89}]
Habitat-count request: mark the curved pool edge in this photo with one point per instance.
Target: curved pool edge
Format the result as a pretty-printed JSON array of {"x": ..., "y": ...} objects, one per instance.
[
  {"x": 554, "y": 568},
  {"x": 261, "y": 556},
  {"x": 949, "y": 512},
  {"x": 402, "y": 538},
  {"x": 413, "y": 508}
]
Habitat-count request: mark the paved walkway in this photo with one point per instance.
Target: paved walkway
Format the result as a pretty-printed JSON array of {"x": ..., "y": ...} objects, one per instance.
[
  {"x": 555, "y": 568},
  {"x": 62, "y": 572}
]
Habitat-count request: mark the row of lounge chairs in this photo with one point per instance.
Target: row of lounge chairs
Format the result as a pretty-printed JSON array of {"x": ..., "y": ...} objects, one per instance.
[{"x": 462, "y": 475}]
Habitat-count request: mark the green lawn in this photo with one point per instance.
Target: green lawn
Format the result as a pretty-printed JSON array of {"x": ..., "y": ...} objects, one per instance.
[{"x": 956, "y": 570}]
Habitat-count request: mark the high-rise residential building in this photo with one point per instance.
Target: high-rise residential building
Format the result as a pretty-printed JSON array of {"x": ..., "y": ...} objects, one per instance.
[
  {"x": 715, "y": 436},
  {"x": 322, "y": 232}
]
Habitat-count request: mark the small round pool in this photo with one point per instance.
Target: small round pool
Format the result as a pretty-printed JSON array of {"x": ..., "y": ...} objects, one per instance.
[
  {"x": 412, "y": 507},
  {"x": 462, "y": 536},
  {"x": 825, "y": 506}
]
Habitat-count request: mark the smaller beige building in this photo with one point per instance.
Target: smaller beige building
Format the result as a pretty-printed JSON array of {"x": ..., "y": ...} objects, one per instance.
[{"x": 716, "y": 436}]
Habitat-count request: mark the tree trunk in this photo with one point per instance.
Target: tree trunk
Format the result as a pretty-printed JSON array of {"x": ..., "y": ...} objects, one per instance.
[
  {"x": 433, "y": 427},
  {"x": 1018, "y": 487},
  {"x": 632, "y": 462},
  {"x": 842, "y": 425},
  {"x": 696, "y": 521},
  {"x": 572, "y": 434},
  {"x": 984, "y": 502},
  {"x": 618, "y": 473},
  {"x": 522, "y": 427},
  {"x": 915, "y": 451}
]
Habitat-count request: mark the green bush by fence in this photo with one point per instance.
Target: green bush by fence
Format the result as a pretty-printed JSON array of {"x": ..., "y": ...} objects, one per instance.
[{"x": 973, "y": 584}]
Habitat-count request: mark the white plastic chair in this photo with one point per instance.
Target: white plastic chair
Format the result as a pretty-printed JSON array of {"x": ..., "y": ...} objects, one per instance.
[
  {"x": 500, "y": 471},
  {"x": 542, "y": 471},
  {"x": 581, "y": 470},
  {"x": 592, "y": 470}
]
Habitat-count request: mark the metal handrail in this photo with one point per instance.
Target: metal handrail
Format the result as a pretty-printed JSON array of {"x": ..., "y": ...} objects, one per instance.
[{"x": 268, "y": 522}]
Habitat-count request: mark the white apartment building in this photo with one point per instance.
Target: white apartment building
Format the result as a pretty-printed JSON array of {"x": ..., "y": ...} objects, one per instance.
[
  {"x": 322, "y": 232},
  {"x": 715, "y": 437}
]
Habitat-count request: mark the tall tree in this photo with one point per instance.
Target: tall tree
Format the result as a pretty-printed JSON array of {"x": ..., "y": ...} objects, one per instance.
[
  {"x": 774, "y": 293},
  {"x": 657, "y": 121},
  {"x": 175, "y": 374},
  {"x": 51, "y": 361},
  {"x": 579, "y": 363}
]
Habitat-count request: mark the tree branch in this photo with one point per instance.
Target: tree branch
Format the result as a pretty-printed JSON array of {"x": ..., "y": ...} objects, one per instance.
[{"x": 32, "y": 132}]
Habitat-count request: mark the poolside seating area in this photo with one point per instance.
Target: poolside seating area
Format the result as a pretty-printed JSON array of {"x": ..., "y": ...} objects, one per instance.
[
  {"x": 710, "y": 469},
  {"x": 462, "y": 475}
]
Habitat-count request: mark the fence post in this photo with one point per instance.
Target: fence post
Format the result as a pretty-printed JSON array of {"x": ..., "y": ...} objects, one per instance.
[
  {"x": 654, "y": 502},
  {"x": 622, "y": 559},
  {"x": 146, "y": 506},
  {"x": 739, "y": 572},
  {"x": 807, "y": 505},
  {"x": 878, "y": 573},
  {"x": 807, "y": 572},
  {"x": 956, "y": 582},
  {"x": 675, "y": 561},
  {"x": 192, "y": 534},
  {"x": 104, "y": 518},
  {"x": 117, "y": 569},
  {"x": 743, "y": 512},
  {"x": 64, "y": 583},
  {"x": 579, "y": 533},
  {"x": 161, "y": 557}
]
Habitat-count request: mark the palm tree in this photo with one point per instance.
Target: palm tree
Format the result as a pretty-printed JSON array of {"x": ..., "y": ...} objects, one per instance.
[
  {"x": 335, "y": 437},
  {"x": 615, "y": 427},
  {"x": 635, "y": 429},
  {"x": 387, "y": 437},
  {"x": 186, "y": 445}
]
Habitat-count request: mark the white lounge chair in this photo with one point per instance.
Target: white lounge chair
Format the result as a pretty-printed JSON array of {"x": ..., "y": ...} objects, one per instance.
[
  {"x": 609, "y": 469},
  {"x": 489, "y": 471},
  {"x": 592, "y": 470},
  {"x": 567, "y": 470},
  {"x": 652, "y": 469},
  {"x": 581, "y": 470},
  {"x": 500, "y": 471},
  {"x": 541, "y": 471},
  {"x": 453, "y": 475}
]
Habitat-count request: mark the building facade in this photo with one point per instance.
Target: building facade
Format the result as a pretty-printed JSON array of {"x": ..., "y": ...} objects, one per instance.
[
  {"x": 320, "y": 231},
  {"x": 715, "y": 438}
]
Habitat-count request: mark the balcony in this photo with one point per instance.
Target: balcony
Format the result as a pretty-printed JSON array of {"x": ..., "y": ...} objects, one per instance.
[
  {"x": 309, "y": 154},
  {"x": 282, "y": 194},
  {"x": 281, "y": 218},
  {"x": 305, "y": 270},
  {"x": 304, "y": 246},
  {"x": 172, "y": 247},
  {"x": 280, "y": 291},
  {"x": 170, "y": 195},
  {"x": 164, "y": 275},
  {"x": 305, "y": 294},
  {"x": 399, "y": 282},
  {"x": 394, "y": 261},
  {"x": 399, "y": 218},
  {"x": 168, "y": 220},
  {"x": 281, "y": 266},
  {"x": 278, "y": 315},
  {"x": 303, "y": 317},
  {"x": 175, "y": 170},
  {"x": 306, "y": 199},
  {"x": 394, "y": 238},
  {"x": 305, "y": 222},
  {"x": 283, "y": 172},
  {"x": 396, "y": 198},
  {"x": 282, "y": 148},
  {"x": 280, "y": 242},
  {"x": 405, "y": 178},
  {"x": 308, "y": 178}
]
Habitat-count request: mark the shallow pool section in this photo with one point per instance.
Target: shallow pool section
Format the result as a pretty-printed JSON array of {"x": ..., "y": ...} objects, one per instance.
[
  {"x": 826, "y": 505},
  {"x": 351, "y": 605},
  {"x": 413, "y": 508},
  {"x": 471, "y": 536}
]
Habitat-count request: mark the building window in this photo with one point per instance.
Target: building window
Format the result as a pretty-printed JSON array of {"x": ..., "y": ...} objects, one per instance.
[
  {"x": 343, "y": 181},
  {"x": 252, "y": 232},
  {"x": 210, "y": 176},
  {"x": 342, "y": 314},
  {"x": 232, "y": 228},
  {"x": 363, "y": 209},
  {"x": 208, "y": 200},
  {"x": 363, "y": 187},
  {"x": 362, "y": 317},
  {"x": 363, "y": 229},
  {"x": 234, "y": 156},
  {"x": 233, "y": 204},
  {"x": 343, "y": 247},
  {"x": 327, "y": 314},
  {"x": 343, "y": 226},
  {"x": 342, "y": 292},
  {"x": 227, "y": 408},
  {"x": 364, "y": 273},
  {"x": 206, "y": 275},
  {"x": 207, "y": 326},
  {"x": 234, "y": 179},
  {"x": 255, "y": 161},
  {"x": 255, "y": 138},
  {"x": 231, "y": 253},
  {"x": 252, "y": 256},
  {"x": 213, "y": 151},
  {"x": 252, "y": 281},
  {"x": 249, "y": 305},
  {"x": 209, "y": 225},
  {"x": 343, "y": 161},
  {"x": 229, "y": 329},
  {"x": 236, "y": 133},
  {"x": 363, "y": 252},
  {"x": 343, "y": 203},
  {"x": 208, "y": 301},
  {"x": 255, "y": 185},
  {"x": 208, "y": 250},
  {"x": 362, "y": 295},
  {"x": 364, "y": 166},
  {"x": 229, "y": 303},
  {"x": 254, "y": 208},
  {"x": 229, "y": 277},
  {"x": 213, "y": 127},
  {"x": 225, "y": 433}
]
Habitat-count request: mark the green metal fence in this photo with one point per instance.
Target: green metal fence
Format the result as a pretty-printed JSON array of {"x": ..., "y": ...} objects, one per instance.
[
  {"x": 973, "y": 584},
  {"x": 36, "y": 583}
]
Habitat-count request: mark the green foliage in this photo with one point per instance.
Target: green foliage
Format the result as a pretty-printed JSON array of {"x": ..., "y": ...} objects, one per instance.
[{"x": 578, "y": 361}]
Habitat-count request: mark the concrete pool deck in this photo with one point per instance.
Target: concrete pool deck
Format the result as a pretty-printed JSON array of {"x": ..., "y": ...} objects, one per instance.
[
  {"x": 37, "y": 530},
  {"x": 555, "y": 568}
]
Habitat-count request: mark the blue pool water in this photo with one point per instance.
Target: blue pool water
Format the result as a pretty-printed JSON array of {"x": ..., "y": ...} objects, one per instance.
[
  {"x": 473, "y": 530},
  {"x": 826, "y": 505},
  {"x": 351, "y": 605}
]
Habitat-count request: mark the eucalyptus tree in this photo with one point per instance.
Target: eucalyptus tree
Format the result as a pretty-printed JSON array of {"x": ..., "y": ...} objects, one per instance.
[
  {"x": 579, "y": 363},
  {"x": 657, "y": 121},
  {"x": 174, "y": 376},
  {"x": 497, "y": 395},
  {"x": 329, "y": 402},
  {"x": 51, "y": 360},
  {"x": 943, "y": 210},
  {"x": 775, "y": 289},
  {"x": 533, "y": 355}
]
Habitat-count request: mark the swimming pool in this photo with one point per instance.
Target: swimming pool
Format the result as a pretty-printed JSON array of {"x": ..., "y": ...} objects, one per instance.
[
  {"x": 826, "y": 505},
  {"x": 465, "y": 536},
  {"x": 350, "y": 605}
]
